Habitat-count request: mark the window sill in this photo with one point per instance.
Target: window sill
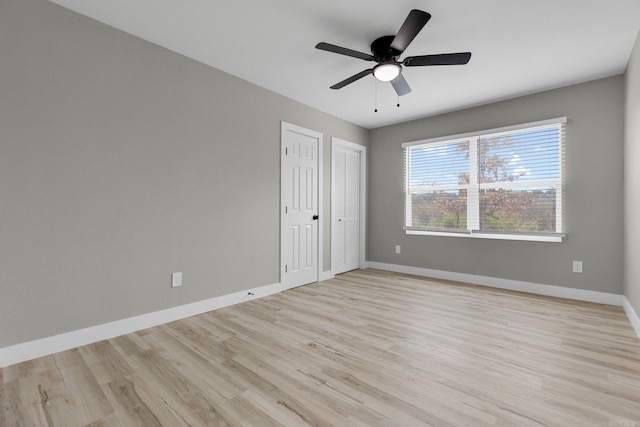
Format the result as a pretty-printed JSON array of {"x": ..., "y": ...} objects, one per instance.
[{"x": 492, "y": 236}]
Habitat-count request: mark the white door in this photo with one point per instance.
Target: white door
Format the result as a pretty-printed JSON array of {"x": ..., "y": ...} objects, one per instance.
[
  {"x": 347, "y": 216},
  {"x": 299, "y": 206}
]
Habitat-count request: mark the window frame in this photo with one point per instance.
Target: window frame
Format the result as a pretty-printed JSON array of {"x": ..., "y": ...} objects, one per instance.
[{"x": 474, "y": 188}]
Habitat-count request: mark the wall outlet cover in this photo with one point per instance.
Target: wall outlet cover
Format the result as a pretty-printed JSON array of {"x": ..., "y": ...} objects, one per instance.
[
  {"x": 577, "y": 266},
  {"x": 176, "y": 279}
]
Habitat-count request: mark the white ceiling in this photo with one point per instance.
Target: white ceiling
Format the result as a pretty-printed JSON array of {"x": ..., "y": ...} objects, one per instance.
[{"x": 518, "y": 46}]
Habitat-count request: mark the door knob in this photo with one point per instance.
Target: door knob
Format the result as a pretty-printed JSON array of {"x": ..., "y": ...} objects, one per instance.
[{"x": 315, "y": 217}]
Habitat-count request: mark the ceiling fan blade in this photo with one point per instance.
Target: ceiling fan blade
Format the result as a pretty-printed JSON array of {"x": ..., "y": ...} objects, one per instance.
[
  {"x": 410, "y": 29},
  {"x": 344, "y": 51},
  {"x": 400, "y": 85},
  {"x": 352, "y": 79},
  {"x": 441, "y": 59}
]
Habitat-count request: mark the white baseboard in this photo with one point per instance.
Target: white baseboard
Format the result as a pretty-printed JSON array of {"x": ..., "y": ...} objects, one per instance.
[
  {"x": 46, "y": 346},
  {"x": 632, "y": 315},
  {"x": 513, "y": 285}
]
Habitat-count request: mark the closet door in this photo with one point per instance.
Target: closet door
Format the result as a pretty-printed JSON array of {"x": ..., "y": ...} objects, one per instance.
[{"x": 346, "y": 209}]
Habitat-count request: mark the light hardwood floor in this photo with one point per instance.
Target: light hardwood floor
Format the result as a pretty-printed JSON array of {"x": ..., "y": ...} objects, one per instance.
[{"x": 366, "y": 348}]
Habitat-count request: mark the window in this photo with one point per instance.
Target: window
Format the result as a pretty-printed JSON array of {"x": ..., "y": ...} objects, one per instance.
[{"x": 503, "y": 183}]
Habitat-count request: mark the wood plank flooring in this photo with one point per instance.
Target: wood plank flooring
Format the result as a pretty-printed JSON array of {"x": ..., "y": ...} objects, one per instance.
[{"x": 368, "y": 348}]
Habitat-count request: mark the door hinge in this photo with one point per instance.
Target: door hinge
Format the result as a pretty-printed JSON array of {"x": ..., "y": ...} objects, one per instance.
[
  {"x": 285, "y": 268},
  {"x": 286, "y": 151},
  {"x": 286, "y": 209}
]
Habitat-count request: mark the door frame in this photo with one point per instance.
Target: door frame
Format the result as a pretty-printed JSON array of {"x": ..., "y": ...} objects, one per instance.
[
  {"x": 337, "y": 142},
  {"x": 284, "y": 128}
]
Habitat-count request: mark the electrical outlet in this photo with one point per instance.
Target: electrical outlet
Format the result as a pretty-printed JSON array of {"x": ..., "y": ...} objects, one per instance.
[
  {"x": 176, "y": 279},
  {"x": 577, "y": 266},
  {"x": 397, "y": 249}
]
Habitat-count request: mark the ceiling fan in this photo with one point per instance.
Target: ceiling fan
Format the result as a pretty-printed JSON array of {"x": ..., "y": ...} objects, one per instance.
[{"x": 386, "y": 50}]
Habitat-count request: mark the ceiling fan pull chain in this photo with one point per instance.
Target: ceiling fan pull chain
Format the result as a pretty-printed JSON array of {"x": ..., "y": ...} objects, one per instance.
[
  {"x": 375, "y": 91},
  {"x": 398, "y": 104}
]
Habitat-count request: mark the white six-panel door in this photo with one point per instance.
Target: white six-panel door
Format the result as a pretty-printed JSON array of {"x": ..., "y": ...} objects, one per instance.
[
  {"x": 347, "y": 215},
  {"x": 299, "y": 206}
]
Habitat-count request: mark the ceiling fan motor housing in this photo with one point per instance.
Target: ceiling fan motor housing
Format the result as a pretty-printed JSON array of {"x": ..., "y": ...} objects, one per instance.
[{"x": 382, "y": 50}]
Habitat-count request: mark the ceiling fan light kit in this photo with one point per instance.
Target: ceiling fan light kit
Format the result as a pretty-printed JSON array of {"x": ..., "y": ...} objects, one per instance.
[
  {"x": 386, "y": 50},
  {"x": 386, "y": 72}
]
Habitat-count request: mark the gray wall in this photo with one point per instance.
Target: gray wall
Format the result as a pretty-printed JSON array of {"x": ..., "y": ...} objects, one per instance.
[
  {"x": 593, "y": 164},
  {"x": 632, "y": 180},
  {"x": 121, "y": 162}
]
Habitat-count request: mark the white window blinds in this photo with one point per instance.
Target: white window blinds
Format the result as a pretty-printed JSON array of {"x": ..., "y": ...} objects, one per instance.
[{"x": 503, "y": 181}]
